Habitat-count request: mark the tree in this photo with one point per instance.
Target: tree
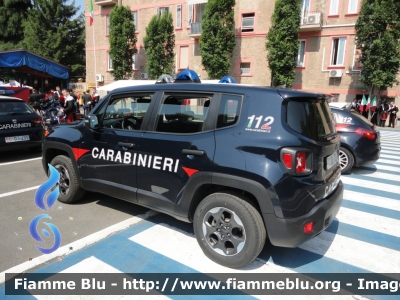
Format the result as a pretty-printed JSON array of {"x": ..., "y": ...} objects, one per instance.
[
  {"x": 51, "y": 31},
  {"x": 377, "y": 37},
  {"x": 159, "y": 44},
  {"x": 122, "y": 42},
  {"x": 12, "y": 14},
  {"x": 217, "y": 37},
  {"x": 283, "y": 41}
]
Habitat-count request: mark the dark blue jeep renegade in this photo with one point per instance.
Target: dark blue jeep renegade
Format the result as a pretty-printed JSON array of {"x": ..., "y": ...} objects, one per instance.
[{"x": 240, "y": 162}]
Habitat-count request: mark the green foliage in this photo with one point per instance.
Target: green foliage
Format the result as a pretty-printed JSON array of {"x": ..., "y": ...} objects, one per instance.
[
  {"x": 12, "y": 14},
  {"x": 283, "y": 41},
  {"x": 51, "y": 31},
  {"x": 159, "y": 44},
  {"x": 122, "y": 41},
  {"x": 218, "y": 37},
  {"x": 377, "y": 36}
]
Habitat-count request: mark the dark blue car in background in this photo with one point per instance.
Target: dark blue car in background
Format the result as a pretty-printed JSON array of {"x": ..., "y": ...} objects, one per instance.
[{"x": 359, "y": 138}]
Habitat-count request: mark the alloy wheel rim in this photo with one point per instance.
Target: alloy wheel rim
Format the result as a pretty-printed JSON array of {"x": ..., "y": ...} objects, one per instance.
[
  {"x": 343, "y": 159},
  {"x": 224, "y": 231},
  {"x": 64, "y": 180}
]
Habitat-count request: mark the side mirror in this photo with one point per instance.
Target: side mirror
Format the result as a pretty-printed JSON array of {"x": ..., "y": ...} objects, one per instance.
[{"x": 92, "y": 122}]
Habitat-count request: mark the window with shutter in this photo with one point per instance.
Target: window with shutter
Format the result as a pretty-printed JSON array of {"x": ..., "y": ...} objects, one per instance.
[{"x": 179, "y": 16}]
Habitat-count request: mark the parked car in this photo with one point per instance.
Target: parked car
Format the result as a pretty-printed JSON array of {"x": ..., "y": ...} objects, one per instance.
[
  {"x": 20, "y": 126},
  {"x": 359, "y": 138},
  {"x": 242, "y": 163}
]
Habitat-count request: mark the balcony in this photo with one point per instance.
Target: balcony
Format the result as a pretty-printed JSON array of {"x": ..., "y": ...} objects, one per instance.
[
  {"x": 195, "y": 30},
  {"x": 311, "y": 21},
  {"x": 105, "y": 2}
]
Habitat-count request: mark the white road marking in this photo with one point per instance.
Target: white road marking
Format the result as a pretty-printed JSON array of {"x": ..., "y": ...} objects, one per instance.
[
  {"x": 369, "y": 221},
  {"x": 77, "y": 245},
  {"x": 191, "y": 254},
  {"x": 390, "y": 152},
  {"x": 377, "y": 174},
  {"x": 19, "y": 161},
  {"x": 356, "y": 253},
  {"x": 387, "y": 156},
  {"x": 386, "y": 168},
  {"x": 372, "y": 200},
  {"x": 19, "y": 191},
  {"x": 389, "y": 161},
  {"x": 371, "y": 184}
]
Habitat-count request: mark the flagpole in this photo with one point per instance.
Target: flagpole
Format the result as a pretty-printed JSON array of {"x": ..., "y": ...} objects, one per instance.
[{"x": 94, "y": 51}]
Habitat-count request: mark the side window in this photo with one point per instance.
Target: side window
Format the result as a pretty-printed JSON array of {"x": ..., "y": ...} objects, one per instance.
[
  {"x": 126, "y": 112},
  {"x": 182, "y": 113},
  {"x": 229, "y": 110}
]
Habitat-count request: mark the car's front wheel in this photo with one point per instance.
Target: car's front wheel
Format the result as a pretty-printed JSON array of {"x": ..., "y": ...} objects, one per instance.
[
  {"x": 346, "y": 160},
  {"x": 229, "y": 230},
  {"x": 70, "y": 191}
]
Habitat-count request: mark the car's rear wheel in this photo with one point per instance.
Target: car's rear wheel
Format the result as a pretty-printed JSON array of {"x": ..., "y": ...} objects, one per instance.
[
  {"x": 229, "y": 230},
  {"x": 346, "y": 160},
  {"x": 70, "y": 191}
]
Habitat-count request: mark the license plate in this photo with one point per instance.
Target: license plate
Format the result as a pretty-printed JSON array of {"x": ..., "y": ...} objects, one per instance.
[
  {"x": 331, "y": 160},
  {"x": 20, "y": 138}
]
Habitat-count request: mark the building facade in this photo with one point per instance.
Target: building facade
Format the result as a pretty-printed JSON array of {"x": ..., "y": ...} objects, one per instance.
[{"x": 327, "y": 57}]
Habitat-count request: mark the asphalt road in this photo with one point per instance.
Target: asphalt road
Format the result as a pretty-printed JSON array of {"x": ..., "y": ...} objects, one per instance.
[{"x": 21, "y": 170}]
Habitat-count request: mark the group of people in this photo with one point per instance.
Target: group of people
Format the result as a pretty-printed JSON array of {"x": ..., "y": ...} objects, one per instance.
[
  {"x": 69, "y": 100},
  {"x": 381, "y": 114}
]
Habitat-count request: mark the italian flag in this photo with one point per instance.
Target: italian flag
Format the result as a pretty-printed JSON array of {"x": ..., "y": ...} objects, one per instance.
[
  {"x": 91, "y": 13},
  {"x": 373, "y": 105},
  {"x": 368, "y": 104},
  {"x": 363, "y": 103}
]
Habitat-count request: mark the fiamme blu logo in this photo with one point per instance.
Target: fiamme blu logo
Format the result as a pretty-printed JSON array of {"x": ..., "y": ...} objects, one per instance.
[{"x": 51, "y": 189}]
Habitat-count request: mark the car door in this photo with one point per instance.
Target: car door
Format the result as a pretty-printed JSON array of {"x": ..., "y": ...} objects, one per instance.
[
  {"x": 111, "y": 166},
  {"x": 179, "y": 145}
]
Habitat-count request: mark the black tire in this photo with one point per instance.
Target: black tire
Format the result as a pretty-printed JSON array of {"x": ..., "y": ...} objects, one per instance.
[
  {"x": 346, "y": 160},
  {"x": 70, "y": 191},
  {"x": 239, "y": 236},
  {"x": 35, "y": 149}
]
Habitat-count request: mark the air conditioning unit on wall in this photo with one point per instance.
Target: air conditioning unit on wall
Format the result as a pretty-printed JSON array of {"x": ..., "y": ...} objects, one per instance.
[
  {"x": 144, "y": 76},
  {"x": 99, "y": 78},
  {"x": 335, "y": 73},
  {"x": 313, "y": 19}
]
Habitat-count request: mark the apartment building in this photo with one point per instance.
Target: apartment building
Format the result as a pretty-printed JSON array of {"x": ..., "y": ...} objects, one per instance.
[{"x": 327, "y": 57}]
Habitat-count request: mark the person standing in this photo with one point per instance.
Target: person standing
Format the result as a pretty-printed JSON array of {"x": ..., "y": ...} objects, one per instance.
[
  {"x": 95, "y": 98},
  {"x": 383, "y": 110},
  {"x": 393, "y": 110},
  {"x": 69, "y": 106},
  {"x": 87, "y": 102}
]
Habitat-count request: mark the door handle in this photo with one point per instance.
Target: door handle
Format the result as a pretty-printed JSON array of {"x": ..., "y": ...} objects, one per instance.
[
  {"x": 126, "y": 145},
  {"x": 193, "y": 152}
]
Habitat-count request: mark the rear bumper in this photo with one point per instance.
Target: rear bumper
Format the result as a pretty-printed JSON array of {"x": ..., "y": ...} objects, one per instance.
[
  {"x": 367, "y": 158},
  {"x": 289, "y": 232}
]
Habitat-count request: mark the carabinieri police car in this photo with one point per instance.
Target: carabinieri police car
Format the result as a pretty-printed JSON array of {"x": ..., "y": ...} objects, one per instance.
[{"x": 242, "y": 163}]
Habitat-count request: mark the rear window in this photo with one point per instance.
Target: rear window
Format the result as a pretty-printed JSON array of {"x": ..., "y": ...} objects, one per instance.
[
  {"x": 310, "y": 117},
  {"x": 360, "y": 116},
  {"x": 14, "y": 108}
]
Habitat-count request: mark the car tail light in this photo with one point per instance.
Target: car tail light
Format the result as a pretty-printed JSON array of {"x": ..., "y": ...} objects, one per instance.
[
  {"x": 301, "y": 162},
  {"x": 37, "y": 120},
  {"x": 298, "y": 161},
  {"x": 367, "y": 133},
  {"x": 308, "y": 227},
  {"x": 287, "y": 160},
  {"x": 186, "y": 102}
]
